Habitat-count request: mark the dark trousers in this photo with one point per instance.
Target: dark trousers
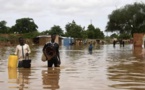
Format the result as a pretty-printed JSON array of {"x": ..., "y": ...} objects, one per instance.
[
  {"x": 53, "y": 61},
  {"x": 20, "y": 64},
  {"x": 90, "y": 51}
]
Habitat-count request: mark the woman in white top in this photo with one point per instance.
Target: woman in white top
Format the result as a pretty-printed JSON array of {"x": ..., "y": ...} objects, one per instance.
[{"x": 22, "y": 50}]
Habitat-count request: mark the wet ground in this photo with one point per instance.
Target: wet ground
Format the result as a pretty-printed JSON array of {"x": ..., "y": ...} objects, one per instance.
[{"x": 107, "y": 68}]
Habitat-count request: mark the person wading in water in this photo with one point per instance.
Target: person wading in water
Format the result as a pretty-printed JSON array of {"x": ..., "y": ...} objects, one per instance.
[{"x": 55, "y": 60}]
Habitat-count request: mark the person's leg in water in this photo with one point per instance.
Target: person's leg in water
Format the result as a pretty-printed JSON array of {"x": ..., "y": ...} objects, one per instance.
[
  {"x": 20, "y": 64},
  {"x": 49, "y": 63},
  {"x": 90, "y": 51},
  {"x": 56, "y": 63},
  {"x": 53, "y": 61}
]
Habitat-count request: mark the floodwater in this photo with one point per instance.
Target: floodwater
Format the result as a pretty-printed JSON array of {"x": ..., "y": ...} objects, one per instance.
[{"x": 107, "y": 68}]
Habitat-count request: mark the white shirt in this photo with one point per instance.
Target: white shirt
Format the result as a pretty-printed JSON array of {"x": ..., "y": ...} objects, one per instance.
[{"x": 18, "y": 51}]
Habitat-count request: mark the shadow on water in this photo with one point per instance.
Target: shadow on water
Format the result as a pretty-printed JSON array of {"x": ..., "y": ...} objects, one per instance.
[{"x": 107, "y": 68}]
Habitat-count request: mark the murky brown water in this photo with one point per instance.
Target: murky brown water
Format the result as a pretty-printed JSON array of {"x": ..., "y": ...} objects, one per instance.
[{"x": 107, "y": 68}]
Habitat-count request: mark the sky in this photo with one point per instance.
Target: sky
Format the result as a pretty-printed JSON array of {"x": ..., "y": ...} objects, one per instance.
[{"x": 47, "y": 13}]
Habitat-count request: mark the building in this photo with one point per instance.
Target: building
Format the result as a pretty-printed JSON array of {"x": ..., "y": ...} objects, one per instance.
[
  {"x": 43, "y": 39},
  {"x": 139, "y": 40}
]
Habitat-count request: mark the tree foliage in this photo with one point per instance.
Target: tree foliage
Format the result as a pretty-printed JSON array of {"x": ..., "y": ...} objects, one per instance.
[
  {"x": 56, "y": 30},
  {"x": 91, "y": 31},
  {"x": 24, "y": 25},
  {"x": 114, "y": 35},
  {"x": 28, "y": 28},
  {"x": 127, "y": 20},
  {"x": 84, "y": 34},
  {"x": 94, "y": 33},
  {"x": 73, "y": 30},
  {"x": 45, "y": 32},
  {"x": 31, "y": 35},
  {"x": 3, "y": 27}
]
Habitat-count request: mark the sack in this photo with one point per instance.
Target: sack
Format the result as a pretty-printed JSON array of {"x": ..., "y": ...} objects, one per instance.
[
  {"x": 27, "y": 62},
  {"x": 43, "y": 58}
]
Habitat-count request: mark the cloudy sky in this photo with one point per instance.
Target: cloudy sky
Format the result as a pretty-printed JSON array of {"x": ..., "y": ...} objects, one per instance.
[{"x": 47, "y": 13}]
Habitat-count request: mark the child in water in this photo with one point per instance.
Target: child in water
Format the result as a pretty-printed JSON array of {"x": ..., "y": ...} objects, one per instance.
[{"x": 90, "y": 48}]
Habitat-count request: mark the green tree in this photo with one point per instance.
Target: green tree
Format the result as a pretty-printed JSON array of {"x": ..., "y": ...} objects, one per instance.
[
  {"x": 124, "y": 36},
  {"x": 90, "y": 31},
  {"x": 56, "y": 30},
  {"x": 94, "y": 33},
  {"x": 24, "y": 25},
  {"x": 84, "y": 34},
  {"x": 99, "y": 34},
  {"x": 45, "y": 32},
  {"x": 127, "y": 20},
  {"x": 31, "y": 35},
  {"x": 3, "y": 27},
  {"x": 114, "y": 35},
  {"x": 73, "y": 30}
]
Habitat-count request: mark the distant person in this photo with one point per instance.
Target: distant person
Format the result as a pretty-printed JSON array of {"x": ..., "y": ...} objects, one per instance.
[
  {"x": 90, "y": 48},
  {"x": 22, "y": 50},
  {"x": 120, "y": 42},
  {"x": 123, "y": 43},
  {"x": 55, "y": 60},
  {"x": 114, "y": 43}
]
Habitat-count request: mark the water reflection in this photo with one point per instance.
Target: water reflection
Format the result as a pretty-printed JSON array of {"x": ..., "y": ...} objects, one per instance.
[
  {"x": 23, "y": 78},
  {"x": 18, "y": 78},
  {"x": 137, "y": 52},
  {"x": 128, "y": 76},
  {"x": 108, "y": 68},
  {"x": 12, "y": 72},
  {"x": 128, "y": 72},
  {"x": 50, "y": 78}
]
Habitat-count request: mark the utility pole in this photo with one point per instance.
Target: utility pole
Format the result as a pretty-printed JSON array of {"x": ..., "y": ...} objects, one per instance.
[{"x": 91, "y": 21}]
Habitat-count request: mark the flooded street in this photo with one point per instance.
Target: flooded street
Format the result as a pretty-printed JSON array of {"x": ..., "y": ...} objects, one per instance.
[{"x": 107, "y": 68}]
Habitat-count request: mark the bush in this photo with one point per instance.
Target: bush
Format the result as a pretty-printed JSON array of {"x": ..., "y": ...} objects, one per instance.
[
  {"x": 3, "y": 39},
  {"x": 31, "y": 35}
]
